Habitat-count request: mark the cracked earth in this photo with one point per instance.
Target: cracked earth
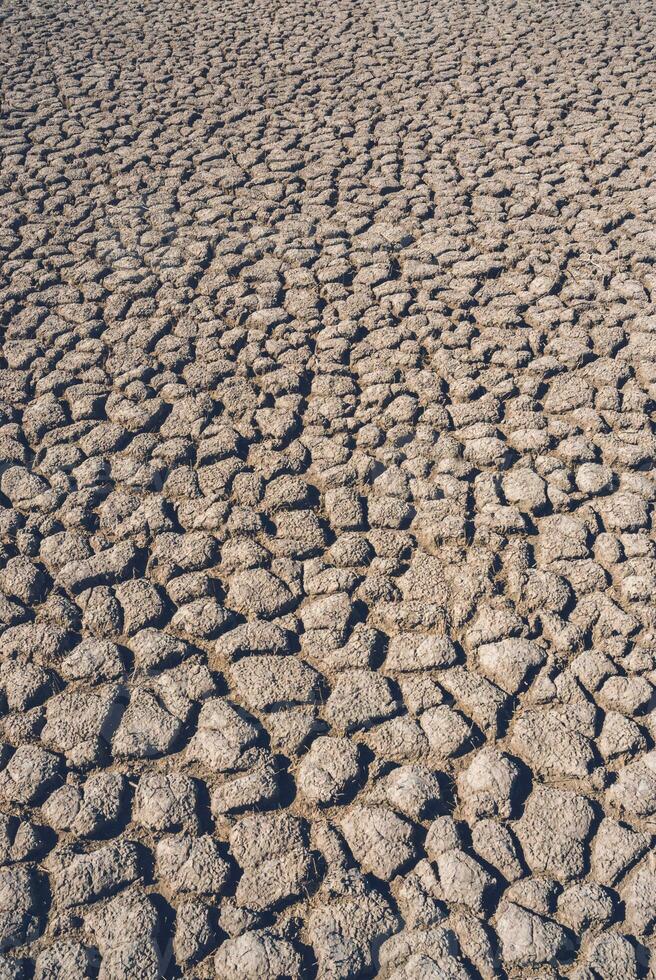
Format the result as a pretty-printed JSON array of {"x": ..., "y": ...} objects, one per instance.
[{"x": 327, "y": 559}]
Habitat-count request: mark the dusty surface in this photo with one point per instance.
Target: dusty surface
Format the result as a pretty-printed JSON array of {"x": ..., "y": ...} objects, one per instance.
[{"x": 327, "y": 566}]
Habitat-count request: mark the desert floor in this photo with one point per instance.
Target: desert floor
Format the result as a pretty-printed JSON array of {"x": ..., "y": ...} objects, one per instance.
[{"x": 327, "y": 556}]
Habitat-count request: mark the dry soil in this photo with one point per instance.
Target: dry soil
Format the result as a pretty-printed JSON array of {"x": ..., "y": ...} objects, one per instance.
[{"x": 327, "y": 559}]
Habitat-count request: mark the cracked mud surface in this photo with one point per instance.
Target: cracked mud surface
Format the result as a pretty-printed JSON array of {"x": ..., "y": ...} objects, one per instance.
[{"x": 327, "y": 564}]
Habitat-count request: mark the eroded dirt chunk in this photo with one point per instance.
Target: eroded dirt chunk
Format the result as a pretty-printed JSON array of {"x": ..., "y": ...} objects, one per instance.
[
  {"x": 126, "y": 931},
  {"x": 327, "y": 554},
  {"x": 274, "y": 855},
  {"x": 328, "y": 769},
  {"x": 381, "y": 841},
  {"x": 256, "y": 955},
  {"x": 19, "y": 912}
]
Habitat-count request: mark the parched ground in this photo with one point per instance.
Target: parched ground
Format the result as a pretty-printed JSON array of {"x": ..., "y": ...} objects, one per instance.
[{"x": 327, "y": 561}]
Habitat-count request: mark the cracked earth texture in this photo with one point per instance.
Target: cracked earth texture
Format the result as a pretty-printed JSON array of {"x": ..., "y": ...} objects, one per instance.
[{"x": 327, "y": 560}]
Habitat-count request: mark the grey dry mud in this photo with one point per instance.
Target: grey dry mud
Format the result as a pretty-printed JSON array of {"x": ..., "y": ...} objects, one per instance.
[{"x": 326, "y": 443}]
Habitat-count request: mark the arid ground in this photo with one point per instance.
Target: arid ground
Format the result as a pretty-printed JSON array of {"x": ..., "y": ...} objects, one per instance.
[{"x": 327, "y": 553}]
